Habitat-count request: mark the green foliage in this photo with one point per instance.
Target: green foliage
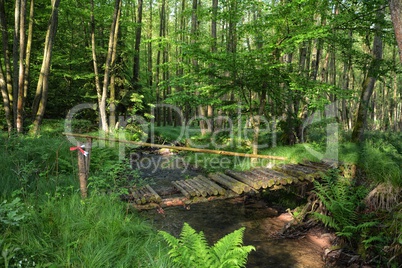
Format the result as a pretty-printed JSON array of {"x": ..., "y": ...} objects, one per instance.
[
  {"x": 192, "y": 250},
  {"x": 342, "y": 200},
  {"x": 45, "y": 223},
  {"x": 115, "y": 177},
  {"x": 35, "y": 164},
  {"x": 96, "y": 232},
  {"x": 12, "y": 213},
  {"x": 380, "y": 159},
  {"x": 371, "y": 233}
]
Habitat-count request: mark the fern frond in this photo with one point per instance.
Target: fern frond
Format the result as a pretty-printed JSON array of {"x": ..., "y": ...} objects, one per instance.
[
  {"x": 172, "y": 241},
  {"x": 237, "y": 257},
  {"x": 229, "y": 251},
  {"x": 328, "y": 221},
  {"x": 191, "y": 249}
]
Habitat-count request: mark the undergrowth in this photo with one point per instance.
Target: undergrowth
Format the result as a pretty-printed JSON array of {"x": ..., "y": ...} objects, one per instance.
[
  {"x": 45, "y": 223},
  {"x": 373, "y": 232}
]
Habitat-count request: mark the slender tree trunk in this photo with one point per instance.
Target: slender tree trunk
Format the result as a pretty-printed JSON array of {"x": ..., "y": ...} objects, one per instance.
[
  {"x": 368, "y": 83},
  {"x": 16, "y": 41},
  {"x": 5, "y": 79},
  {"x": 43, "y": 82},
  {"x": 159, "y": 111},
  {"x": 21, "y": 70},
  {"x": 29, "y": 47},
  {"x": 6, "y": 101},
  {"x": 214, "y": 49},
  {"x": 256, "y": 121},
  {"x": 395, "y": 7},
  {"x": 112, "y": 99},
  {"x": 109, "y": 56},
  {"x": 149, "y": 48},
  {"x": 5, "y": 49},
  {"x": 136, "y": 67},
  {"x": 94, "y": 57}
]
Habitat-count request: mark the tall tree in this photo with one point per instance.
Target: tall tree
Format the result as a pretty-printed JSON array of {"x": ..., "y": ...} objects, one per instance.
[
  {"x": 19, "y": 58},
  {"x": 395, "y": 7},
  {"x": 5, "y": 78},
  {"x": 136, "y": 67},
  {"x": 94, "y": 55},
  {"x": 370, "y": 79},
  {"x": 102, "y": 90},
  {"x": 40, "y": 100}
]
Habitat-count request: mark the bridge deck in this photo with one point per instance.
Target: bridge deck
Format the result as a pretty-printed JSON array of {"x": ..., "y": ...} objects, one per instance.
[{"x": 226, "y": 185}]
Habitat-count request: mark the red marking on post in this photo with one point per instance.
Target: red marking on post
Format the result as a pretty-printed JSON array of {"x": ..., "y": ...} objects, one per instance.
[{"x": 79, "y": 148}]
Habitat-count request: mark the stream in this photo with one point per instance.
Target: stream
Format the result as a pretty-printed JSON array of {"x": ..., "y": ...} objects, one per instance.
[{"x": 221, "y": 217}]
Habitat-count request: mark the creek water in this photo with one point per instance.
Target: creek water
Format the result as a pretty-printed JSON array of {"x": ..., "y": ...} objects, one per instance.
[
  {"x": 218, "y": 218},
  {"x": 221, "y": 217}
]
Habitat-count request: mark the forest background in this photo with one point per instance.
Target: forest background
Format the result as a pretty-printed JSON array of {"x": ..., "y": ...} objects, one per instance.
[
  {"x": 283, "y": 60},
  {"x": 264, "y": 65}
]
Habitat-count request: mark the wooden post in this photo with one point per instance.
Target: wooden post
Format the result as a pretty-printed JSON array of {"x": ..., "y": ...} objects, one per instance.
[{"x": 83, "y": 165}]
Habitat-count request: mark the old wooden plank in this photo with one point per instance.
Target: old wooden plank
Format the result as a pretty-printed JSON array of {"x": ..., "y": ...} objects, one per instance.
[
  {"x": 209, "y": 188},
  {"x": 277, "y": 177},
  {"x": 232, "y": 184},
  {"x": 200, "y": 187},
  {"x": 221, "y": 190},
  {"x": 154, "y": 196},
  {"x": 301, "y": 172},
  {"x": 269, "y": 180},
  {"x": 136, "y": 195},
  {"x": 243, "y": 177},
  {"x": 183, "y": 201},
  {"x": 142, "y": 193},
  {"x": 263, "y": 180},
  {"x": 193, "y": 190},
  {"x": 181, "y": 189},
  {"x": 244, "y": 186}
]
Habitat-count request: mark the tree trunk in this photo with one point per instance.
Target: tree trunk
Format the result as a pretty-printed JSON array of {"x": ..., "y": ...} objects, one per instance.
[
  {"x": 159, "y": 110},
  {"x": 5, "y": 79},
  {"x": 112, "y": 99},
  {"x": 94, "y": 57},
  {"x": 21, "y": 70},
  {"x": 256, "y": 121},
  {"x": 369, "y": 82},
  {"x": 43, "y": 82},
  {"x": 108, "y": 64},
  {"x": 16, "y": 41},
  {"x": 136, "y": 67},
  {"x": 29, "y": 48},
  {"x": 150, "y": 66},
  {"x": 395, "y": 7}
]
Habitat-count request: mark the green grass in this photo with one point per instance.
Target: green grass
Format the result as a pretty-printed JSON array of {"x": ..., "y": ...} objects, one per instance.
[
  {"x": 35, "y": 164},
  {"x": 58, "y": 229},
  {"x": 96, "y": 232}
]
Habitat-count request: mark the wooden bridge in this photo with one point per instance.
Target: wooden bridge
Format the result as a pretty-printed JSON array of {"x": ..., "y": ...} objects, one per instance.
[
  {"x": 226, "y": 185},
  {"x": 204, "y": 188}
]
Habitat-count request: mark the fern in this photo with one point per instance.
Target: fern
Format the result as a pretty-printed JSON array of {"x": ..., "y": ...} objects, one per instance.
[
  {"x": 341, "y": 199},
  {"x": 191, "y": 249},
  {"x": 229, "y": 251}
]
